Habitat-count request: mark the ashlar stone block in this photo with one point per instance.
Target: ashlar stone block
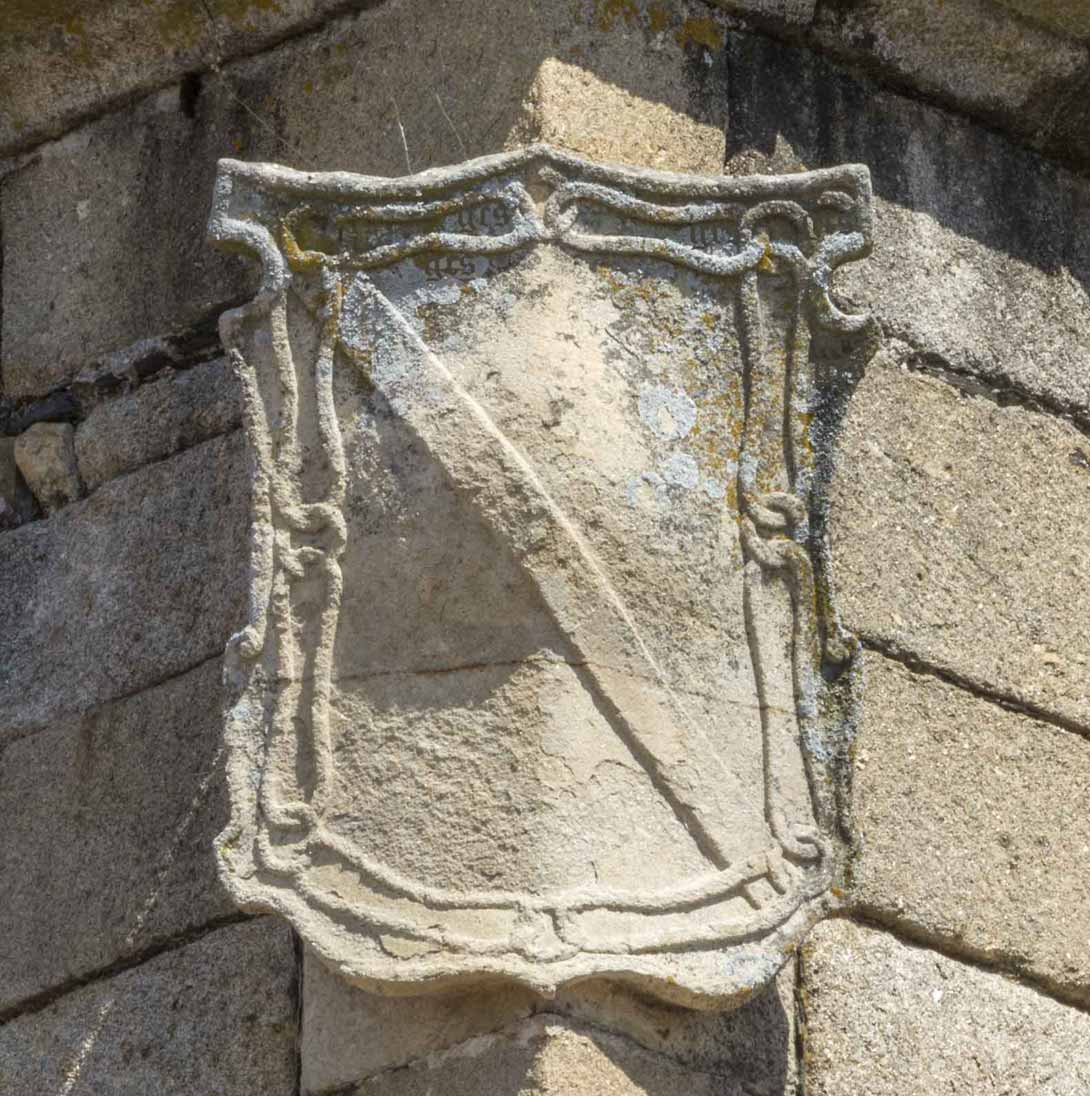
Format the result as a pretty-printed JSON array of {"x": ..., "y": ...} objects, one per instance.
[
  {"x": 884, "y": 1018},
  {"x": 970, "y": 53},
  {"x": 531, "y": 575},
  {"x": 216, "y": 1016},
  {"x": 1014, "y": 65},
  {"x": 107, "y": 842},
  {"x": 972, "y": 827},
  {"x": 957, "y": 529},
  {"x": 152, "y": 566},
  {"x": 59, "y": 64},
  {"x": 171, "y": 413},
  {"x": 1069, "y": 17}
]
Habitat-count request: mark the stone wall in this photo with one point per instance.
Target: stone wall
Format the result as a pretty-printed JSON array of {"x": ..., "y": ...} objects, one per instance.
[{"x": 959, "y": 959}]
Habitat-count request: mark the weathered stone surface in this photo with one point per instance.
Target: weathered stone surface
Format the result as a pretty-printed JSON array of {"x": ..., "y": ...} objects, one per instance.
[
  {"x": 172, "y": 413},
  {"x": 546, "y": 588},
  {"x": 774, "y": 12},
  {"x": 601, "y": 111},
  {"x": 545, "y": 1056},
  {"x": 104, "y": 231},
  {"x": 103, "y": 242},
  {"x": 338, "y": 100},
  {"x": 1006, "y": 62},
  {"x": 1065, "y": 16},
  {"x": 1003, "y": 65},
  {"x": 214, "y": 1017},
  {"x": 58, "y": 64},
  {"x": 980, "y": 259},
  {"x": 971, "y": 53},
  {"x": 1016, "y": 65},
  {"x": 108, "y": 832},
  {"x": 958, "y": 536},
  {"x": 152, "y": 566},
  {"x": 350, "y": 1034},
  {"x": 994, "y": 857},
  {"x": 886, "y": 1019},
  {"x": 16, "y": 500},
  {"x": 45, "y": 454}
]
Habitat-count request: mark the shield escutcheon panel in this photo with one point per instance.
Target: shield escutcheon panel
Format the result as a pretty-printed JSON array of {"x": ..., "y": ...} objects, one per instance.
[{"x": 535, "y": 680}]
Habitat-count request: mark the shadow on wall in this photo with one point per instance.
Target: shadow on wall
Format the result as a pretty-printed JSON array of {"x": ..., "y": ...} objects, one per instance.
[
  {"x": 612, "y": 1038},
  {"x": 749, "y": 1051},
  {"x": 548, "y": 1054},
  {"x": 636, "y": 81},
  {"x": 789, "y": 109},
  {"x": 419, "y": 84}
]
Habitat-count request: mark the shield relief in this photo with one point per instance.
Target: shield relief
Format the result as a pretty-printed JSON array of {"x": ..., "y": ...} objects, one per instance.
[{"x": 540, "y": 680}]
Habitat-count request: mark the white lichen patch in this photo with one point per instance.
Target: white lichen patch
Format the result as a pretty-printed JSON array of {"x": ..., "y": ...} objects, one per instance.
[
  {"x": 669, "y": 413},
  {"x": 680, "y": 470}
]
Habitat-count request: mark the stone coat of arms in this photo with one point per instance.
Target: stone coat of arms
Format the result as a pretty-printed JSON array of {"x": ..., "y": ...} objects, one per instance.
[{"x": 535, "y": 681}]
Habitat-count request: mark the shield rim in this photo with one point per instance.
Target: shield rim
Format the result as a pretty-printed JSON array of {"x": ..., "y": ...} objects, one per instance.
[{"x": 701, "y": 974}]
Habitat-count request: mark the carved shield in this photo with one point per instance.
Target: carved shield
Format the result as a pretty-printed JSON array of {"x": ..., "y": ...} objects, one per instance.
[{"x": 535, "y": 684}]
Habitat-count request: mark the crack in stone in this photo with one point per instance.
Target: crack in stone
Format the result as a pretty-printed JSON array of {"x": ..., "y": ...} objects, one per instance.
[
  {"x": 988, "y": 961},
  {"x": 1001, "y": 391},
  {"x": 469, "y": 667},
  {"x": 105, "y": 702},
  {"x": 1008, "y": 701},
  {"x": 37, "y": 1002},
  {"x": 799, "y": 1000}
]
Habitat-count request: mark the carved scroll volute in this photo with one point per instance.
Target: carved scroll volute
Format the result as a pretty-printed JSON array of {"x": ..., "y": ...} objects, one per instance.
[{"x": 531, "y": 684}]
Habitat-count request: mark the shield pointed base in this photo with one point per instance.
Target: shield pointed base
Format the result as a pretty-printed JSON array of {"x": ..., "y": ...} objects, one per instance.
[{"x": 535, "y": 681}]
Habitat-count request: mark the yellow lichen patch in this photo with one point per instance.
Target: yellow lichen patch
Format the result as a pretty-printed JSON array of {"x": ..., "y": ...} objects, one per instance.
[
  {"x": 298, "y": 260},
  {"x": 608, "y": 12},
  {"x": 181, "y": 24},
  {"x": 716, "y": 438},
  {"x": 701, "y": 32},
  {"x": 655, "y": 298},
  {"x": 658, "y": 18},
  {"x": 77, "y": 40},
  {"x": 184, "y": 23},
  {"x": 28, "y": 16},
  {"x": 430, "y": 315},
  {"x": 608, "y": 275},
  {"x": 804, "y": 456},
  {"x": 361, "y": 359},
  {"x": 240, "y": 12}
]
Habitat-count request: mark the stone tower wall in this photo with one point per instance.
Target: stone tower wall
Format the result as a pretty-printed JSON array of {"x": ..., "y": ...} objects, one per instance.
[{"x": 960, "y": 505}]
